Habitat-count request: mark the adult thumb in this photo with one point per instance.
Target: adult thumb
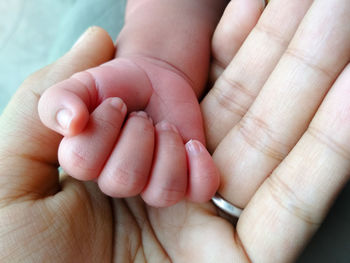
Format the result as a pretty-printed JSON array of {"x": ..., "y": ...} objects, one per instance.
[{"x": 28, "y": 150}]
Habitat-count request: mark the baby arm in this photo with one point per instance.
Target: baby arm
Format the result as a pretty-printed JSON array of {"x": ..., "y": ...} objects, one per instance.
[{"x": 160, "y": 67}]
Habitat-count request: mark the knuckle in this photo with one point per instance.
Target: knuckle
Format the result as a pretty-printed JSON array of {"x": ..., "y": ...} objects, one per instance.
[
  {"x": 80, "y": 161},
  {"x": 288, "y": 200},
  {"x": 175, "y": 148},
  {"x": 127, "y": 181},
  {"x": 29, "y": 99},
  {"x": 168, "y": 195},
  {"x": 73, "y": 153},
  {"x": 171, "y": 143},
  {"x": 39, "y": 79},
  {"x": 257, "y": 133},
  {"x": 106, "y": 123}
]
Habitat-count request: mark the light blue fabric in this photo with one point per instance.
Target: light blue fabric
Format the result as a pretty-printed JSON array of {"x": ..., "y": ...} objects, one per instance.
[
  {"x": 108, "y": 14},
  {"x": 34, "y": 33}
]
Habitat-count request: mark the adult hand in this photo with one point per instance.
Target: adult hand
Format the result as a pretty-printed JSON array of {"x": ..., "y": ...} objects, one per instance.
[
  {"x": 47, "y": 217},
  {"x": 277, "y": 119}
]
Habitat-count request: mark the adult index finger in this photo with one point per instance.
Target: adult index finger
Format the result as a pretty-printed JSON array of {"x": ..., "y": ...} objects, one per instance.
[{"x": 28, "y": 150}]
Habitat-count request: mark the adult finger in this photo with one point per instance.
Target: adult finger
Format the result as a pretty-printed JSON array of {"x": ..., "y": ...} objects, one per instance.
[
  {"x": 238, "y": 20},
  {"x": 25, "y": 144},
  {"x": 237, "y": 87},
  {"x": 286, "y": 104},
  {"x": 294, "y": 200}
]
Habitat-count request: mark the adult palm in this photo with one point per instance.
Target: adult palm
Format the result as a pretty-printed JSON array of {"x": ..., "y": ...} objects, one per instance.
[{"x": 49, "y": 217}]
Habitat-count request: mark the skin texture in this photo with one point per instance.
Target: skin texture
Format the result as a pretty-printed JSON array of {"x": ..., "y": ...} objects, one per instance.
[
  {"x": 160, "y": 69},
  {"x": 47, "y": 218},
  {"x": 262, "y": 119}
]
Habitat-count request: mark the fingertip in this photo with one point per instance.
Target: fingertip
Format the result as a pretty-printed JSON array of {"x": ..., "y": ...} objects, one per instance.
[
  {"x": 194, "y": 147},
  {"x": 167, "y": 127},
  {"x": 64, "y": 118},
  {"x": 118, "y": 104},
  {"x": 236, "y": 23},
  {"x": 70, "y": 124},
  {"x": 204, "y": 177},
  {"x": 168, "y": 197},
  {"x": 99, "y": 39},
  {"x": 70, "y": 121},
  {"x": 62, "y": 110}
]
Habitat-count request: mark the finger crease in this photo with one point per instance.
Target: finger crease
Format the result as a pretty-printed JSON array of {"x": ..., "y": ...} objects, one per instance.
[
  {"x": 107, "y": 125},
  {"x": 241, "y": 245},
  {"x": 329, "y": 142},
  {"x": 237, "y": 86},
  {"x": 227, "y": 98},
  {"x": 258, "y": 135},
  {"x": 218, "y": 63},
  {"x": 307, "y": 61},
  {"x": 34, "y": 158},
  {"x": 35, "y": 94},
  {"x": 175, "y": 69},
  {"x": 286, "y": 198},
  {"x": 273, "y": 34},
  {"x": 144, "y": 224},
  {"x": 93, "y": 100}
]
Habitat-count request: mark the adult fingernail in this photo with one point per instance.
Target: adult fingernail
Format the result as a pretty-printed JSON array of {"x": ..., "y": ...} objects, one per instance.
[
  {"x": 166, "y": 126},
  {"x": 64, "y": 118},
  {"x": 83, "y": 36},
  {"x": 194, "y": 147}
]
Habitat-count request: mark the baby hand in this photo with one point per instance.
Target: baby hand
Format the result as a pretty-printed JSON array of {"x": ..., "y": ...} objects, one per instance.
[{"x": 130, "y": 157}]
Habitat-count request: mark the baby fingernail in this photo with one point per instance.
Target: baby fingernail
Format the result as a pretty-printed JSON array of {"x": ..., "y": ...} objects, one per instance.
[
  {"x": 118, "y": 104},
  {"x": 150, "y": 119},
  {"x": 64, "y": 118},
  {"x": 166, "y": 126},
  {"x": 141, "y": 114},
  {"x": 194, "y": 147}
]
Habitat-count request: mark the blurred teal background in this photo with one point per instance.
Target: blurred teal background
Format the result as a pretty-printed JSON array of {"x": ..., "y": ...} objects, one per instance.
[{"x": 33, "y": 33}]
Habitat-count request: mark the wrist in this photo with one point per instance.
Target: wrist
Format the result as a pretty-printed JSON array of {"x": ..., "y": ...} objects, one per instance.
[{"x": 176, "y": 31}]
